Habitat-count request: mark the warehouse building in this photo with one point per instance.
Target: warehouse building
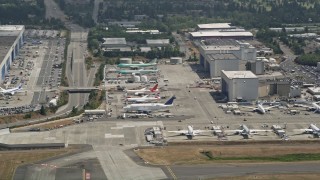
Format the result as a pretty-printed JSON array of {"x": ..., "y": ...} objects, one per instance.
[
  {"x": 236, "y": 54},
  {"x": 220, "y": 31},
  {"x": 239, "y": 35},
  {"x": 11, "y": 40},
  {"x": 215, "y": 26},
  {"x": 115, "y": 44},
  {"x": 158, "y": 42},
  {"x": 239, "y": 85}
]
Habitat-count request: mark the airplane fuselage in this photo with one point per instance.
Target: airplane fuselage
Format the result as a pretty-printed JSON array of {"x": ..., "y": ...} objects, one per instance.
[{"x": 145, "y": 107}]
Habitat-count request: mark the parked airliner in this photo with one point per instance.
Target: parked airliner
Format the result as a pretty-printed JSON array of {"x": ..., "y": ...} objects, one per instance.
[
  {"x": 145, "y": 98},
  {"x": 259, "y": 108},
  {"x": 11, "y": 91},
  {"x": 149, "y": 107},
  {"x": 190, "y": 132},
  {"x": 143, "y": 90}
]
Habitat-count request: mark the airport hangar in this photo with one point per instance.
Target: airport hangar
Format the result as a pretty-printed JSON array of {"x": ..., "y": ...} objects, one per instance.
[
  {"x": 225, "y": 54},
  {"x": 239, "y": 85},
  {"x": 11, "y": 40}
]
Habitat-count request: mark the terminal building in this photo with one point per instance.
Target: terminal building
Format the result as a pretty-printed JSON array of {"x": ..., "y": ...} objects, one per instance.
[
  {"x": 11, "y": 40},
  {"x": 239, "y": 85},
  {"x": 227, "y": 54}
]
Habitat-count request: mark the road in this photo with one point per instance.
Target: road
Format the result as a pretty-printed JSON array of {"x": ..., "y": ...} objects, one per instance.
[
  {"x": 228, "y": 170},
  {"x": 76, "y": 70},
  {"x": 96, "y": 10}
]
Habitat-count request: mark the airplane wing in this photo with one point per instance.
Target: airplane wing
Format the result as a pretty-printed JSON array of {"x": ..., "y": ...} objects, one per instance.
[
  {"x": 260, "y": 130},
  {"x": 306, "y": 130},
  {"x": 267, "y": 108},
  {"x": 252, "y": 108},
  {"x": 179, "y": 132},
  {"x": 201, "y": 131},
  {"x": 233, "y": 131}
]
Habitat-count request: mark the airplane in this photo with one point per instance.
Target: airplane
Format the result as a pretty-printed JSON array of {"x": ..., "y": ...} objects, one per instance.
[
  {"x": 259, "y": 108},
  {"x": 148, "y": 107},
  {"x": 143, "y": 90},
  {"x": 315, "y": 107},
  {"x": 11, "y": 91},
  {"x": 139, "y": 71},
  {"x": 145, "y": 98},
  {"x": 245, "y": 131},
  {"x": 151, "y": 63},
  {"x": 313, "y": 129},
  {"x": 190, "y": 132}
]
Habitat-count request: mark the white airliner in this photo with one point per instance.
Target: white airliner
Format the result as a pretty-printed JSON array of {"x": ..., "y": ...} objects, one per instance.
[
  {"x": 259, "y": 108},
  {"x": 190, "y": 132},
  {"x": 143, "y": 90},
  {"x": 313, "y": 129},
  {"x": 11, "y": 91},
  {"x": 245, "y": 131},
  {"x": 148, "y": 107},
  {"x": 145, "y": 98}
]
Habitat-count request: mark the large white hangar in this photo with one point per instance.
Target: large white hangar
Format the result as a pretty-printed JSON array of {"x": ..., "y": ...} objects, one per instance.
[
  {"x": 11, "y": 40},
  {"x": 239, "y": 85},
  {"x": 225, "y": 54}
]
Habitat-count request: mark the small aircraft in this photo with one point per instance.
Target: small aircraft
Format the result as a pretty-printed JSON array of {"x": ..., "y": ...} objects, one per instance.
[
  {"x": 151, "y": 63},
  {"x": 259, "y": 108},
  {"x": 148, "y": 107},
  {"x": 145, "y": 98},
  {"x": 190, "y": 132},
  {"x": 11, "y": 91},
  {"x": 143, "y": 90}
]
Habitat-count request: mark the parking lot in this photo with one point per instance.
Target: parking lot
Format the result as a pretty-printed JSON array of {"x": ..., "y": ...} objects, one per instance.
[{"x": 37, "y": 68}]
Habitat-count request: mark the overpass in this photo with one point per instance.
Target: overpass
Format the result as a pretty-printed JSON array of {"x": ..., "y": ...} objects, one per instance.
[{"x": 79, "y": 89}]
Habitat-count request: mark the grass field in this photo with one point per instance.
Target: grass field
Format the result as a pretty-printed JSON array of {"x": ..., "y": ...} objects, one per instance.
[
  {"x": 233, "y": 153},
  {"x": 10, "y": 160}
]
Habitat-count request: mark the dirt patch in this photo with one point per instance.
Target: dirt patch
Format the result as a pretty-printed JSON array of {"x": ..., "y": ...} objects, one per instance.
[
  {"x": 22, "y": 117},
  {"x": 194, "y": 154},
  {"x": 10, "y": 160},
  {"x": 274, "y": 177}
]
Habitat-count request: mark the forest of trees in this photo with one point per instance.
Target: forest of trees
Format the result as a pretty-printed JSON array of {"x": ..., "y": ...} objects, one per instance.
[
  {"x": 21, "y": 12},
  {"x": 79, "y": 13},
  {"x": 187, "y": 13},
  {"x": 309, "y": 59}
]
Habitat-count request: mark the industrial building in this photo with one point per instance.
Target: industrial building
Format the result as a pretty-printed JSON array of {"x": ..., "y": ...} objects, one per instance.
[
  {"x": 220, "y": 31},
  {"x": 115, "y": 44},
  {"x": 158, "y": 42},
  {"x": 257, "y": 67},
  {"x": 239, "y": 85},
  {"x": 176, "y": 60},
  {"x": 218, "y": 62},
  {"x": 228, "y": 54},
  {"x": 11, "y": 40},
  {"x": 214, "y": 26},
  {"x": 239, "y": 35}
]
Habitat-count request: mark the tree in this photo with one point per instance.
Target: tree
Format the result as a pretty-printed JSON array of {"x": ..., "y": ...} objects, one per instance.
[{"x": 43, "y": 111}]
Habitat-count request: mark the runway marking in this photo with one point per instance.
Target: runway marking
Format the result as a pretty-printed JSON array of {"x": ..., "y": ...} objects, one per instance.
[
  {"x": 113, "y": 136},
  {"x": 171, "y": 172}
]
